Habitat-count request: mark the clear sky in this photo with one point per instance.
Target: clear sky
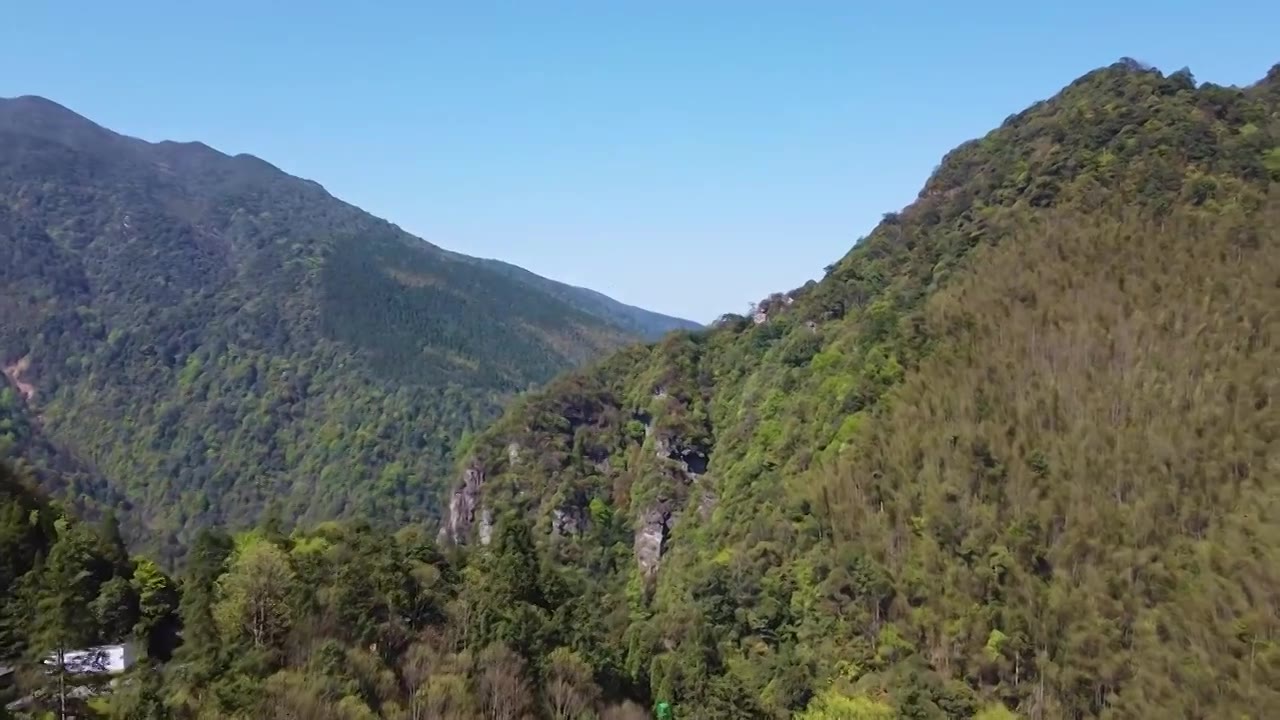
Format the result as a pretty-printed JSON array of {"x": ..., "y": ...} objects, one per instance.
[{"x": 687, "y": 157}]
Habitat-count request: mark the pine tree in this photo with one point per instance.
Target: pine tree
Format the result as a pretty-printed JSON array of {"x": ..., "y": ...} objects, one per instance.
[
  {"x": 206, "y": 563},
  {"x": 63, "y": 619},
  {"x": 114, "y": 547}
]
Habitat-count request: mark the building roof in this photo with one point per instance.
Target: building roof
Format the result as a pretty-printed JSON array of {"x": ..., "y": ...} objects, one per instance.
[{"x": 110, "y": 659}]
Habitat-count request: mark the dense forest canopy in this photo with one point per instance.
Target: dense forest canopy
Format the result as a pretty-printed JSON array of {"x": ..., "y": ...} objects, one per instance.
[
  {"x": 1014, "y": 455},
  {"x": 1015, "y": 452},
  {"x": 200, "y": 335}
]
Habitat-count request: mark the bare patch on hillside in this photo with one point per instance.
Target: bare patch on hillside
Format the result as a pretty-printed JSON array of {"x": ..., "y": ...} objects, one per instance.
[{"x": 14, "y": 373}]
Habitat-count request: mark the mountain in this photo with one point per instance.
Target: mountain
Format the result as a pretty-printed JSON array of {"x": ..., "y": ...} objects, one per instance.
[
  {"x": 638, "y": 321},
  {"x": 1014, "y": 456},
  {"x": 1018, "y": 451},
  {"x": 200, "y": 334}
]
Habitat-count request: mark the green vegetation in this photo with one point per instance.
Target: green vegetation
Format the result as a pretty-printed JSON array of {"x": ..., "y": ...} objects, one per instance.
[
  {"x": 65, "y": 585},
  {"x": 1015, "y": 453},
  {"x": 1014, "y": 456},
  {"x": 198, "y": 334},
  {"x": 642, "y": 323},
  {"x": 339, "y": 622}
]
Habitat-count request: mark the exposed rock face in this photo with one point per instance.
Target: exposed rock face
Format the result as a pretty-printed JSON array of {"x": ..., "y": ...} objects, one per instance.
[
  {"x": 462, "y": 507},
  {"x": 652, "y": 532},
  {"x": 694, "y": 462},
  {"x": 762, "y": 311},
  {"x": 486, "y": 526},
  {"x": 15, "y": 373},
  {"x": 513, "y": 454},
  {"x": 569, "y": 520},
  {"x": 691, "y": 460}
]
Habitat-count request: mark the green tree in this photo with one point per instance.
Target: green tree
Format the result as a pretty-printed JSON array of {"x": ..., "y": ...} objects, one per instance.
[
  {"x": 158, "y": 601},
  {"x": 141, "y": 697},
  {"x": 113, "y": 543},
  {"x": 254, "y": 595},
  {"x": 201, "y": 643},
  {"x": 502, "y": 587},
  {"x": 115, "y": 609},
  {"x": 995, "y": 712},
  {"x": 64, "y": 620},
  {"x": 834, "y": 706},
  {"x": 570, "y": 687}
]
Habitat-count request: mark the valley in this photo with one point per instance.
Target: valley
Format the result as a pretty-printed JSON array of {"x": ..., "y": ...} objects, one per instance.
[{"x": 1014, "y": 455}]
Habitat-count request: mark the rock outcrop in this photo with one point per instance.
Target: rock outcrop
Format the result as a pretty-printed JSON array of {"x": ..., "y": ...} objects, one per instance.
[
  {"x": 652, "y": 531},
  {"x": 462, "y": 507},
  {"x": 486, "y": 526},
  {"x": 569, "y": 520},
  {"x": 692, "y": 461},
  {"x": 16, "y": 375}
]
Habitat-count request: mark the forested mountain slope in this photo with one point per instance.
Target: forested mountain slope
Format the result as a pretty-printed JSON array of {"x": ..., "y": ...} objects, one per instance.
[
  {"x": 1017, "y": 449},
  {"x": 644, "y": 323},
  {"x": 340, "y": 621},
  {"x": 202, "y": 332}
]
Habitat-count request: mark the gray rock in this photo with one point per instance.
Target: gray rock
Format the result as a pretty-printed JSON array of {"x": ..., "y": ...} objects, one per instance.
[
  {"x": 462, "y": 506},
  {"x": 486, "y": 526},
  {"x": 569, "y": 520},
  {"x": 652, "y": 532},
  {"x": 692, "y": 462}
]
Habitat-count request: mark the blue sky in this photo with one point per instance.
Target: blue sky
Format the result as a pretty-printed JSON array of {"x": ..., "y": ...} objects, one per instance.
[{"x": 688, "y": 157}]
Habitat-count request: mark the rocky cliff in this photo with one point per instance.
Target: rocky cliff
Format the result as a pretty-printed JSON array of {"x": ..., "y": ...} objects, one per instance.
[{"x": 889, "y": 480}]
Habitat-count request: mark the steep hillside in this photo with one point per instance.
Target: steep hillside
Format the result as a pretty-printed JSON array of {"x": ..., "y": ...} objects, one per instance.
[
  {"x": 644, "y": 323},
  {"x": 1017, "y": 449},
  {"x": 205, "y": 332},
  {"x": 341, "y": 621}
]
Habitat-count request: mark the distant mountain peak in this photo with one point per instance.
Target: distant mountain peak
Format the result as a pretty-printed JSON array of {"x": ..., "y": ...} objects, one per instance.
[
  {"x": 197, "y": 285},
  {"x": 37, "y": 103},
  {"x": 42, "y": 117}
]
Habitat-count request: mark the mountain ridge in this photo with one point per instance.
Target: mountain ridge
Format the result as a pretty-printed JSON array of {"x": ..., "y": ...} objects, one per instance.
[
  {"x": 67, "y": 127},
  {"x": 766, "y": 525},
  {"x": 192, "y": 320},
  {"x": 1015, "y": 455},
  {"x": 648, "y": 324}
]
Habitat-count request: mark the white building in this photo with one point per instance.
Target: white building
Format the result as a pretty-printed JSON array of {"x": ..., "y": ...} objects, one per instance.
[{"x": 108, "y": 659}]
